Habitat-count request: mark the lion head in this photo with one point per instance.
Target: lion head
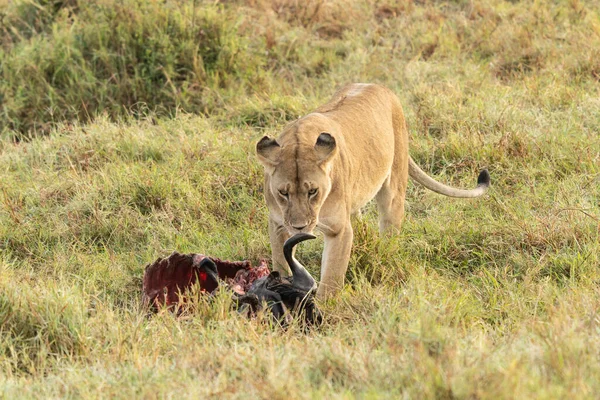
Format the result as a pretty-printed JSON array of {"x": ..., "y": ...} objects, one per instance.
[{"x": 298, "y": 178}]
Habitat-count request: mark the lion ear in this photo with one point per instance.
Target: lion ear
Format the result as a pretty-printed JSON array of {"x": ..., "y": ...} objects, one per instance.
[
  {"x": 325, "y": 147},
  {"x": 268, "y": 151}
]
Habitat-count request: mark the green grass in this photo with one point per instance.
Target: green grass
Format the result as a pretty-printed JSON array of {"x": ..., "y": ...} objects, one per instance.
[{"x": 118, "y": 145}]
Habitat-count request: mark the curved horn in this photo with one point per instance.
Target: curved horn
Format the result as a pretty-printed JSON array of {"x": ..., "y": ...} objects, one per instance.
[{"x": 302, "y": 279}]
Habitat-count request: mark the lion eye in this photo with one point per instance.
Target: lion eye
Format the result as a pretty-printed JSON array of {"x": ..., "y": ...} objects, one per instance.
[
  {"x": 284, "y": 193},
  {"x": 312, "y": 192}
]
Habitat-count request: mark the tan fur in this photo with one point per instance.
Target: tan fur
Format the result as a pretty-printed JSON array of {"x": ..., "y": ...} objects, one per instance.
[{"x": 351, "y": 150}]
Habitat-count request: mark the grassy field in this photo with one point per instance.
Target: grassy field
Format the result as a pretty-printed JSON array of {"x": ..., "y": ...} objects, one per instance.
[{"x": 127, "y": 131}]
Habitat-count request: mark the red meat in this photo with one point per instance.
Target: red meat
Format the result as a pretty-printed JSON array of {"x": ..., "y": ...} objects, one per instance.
[{"x": 167, "y": 277}]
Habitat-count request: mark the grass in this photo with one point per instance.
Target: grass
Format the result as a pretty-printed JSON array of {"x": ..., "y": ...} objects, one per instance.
[{"x": 492, "y": 298}]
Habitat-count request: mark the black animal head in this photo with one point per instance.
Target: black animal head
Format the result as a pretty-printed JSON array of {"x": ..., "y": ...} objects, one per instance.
[{"x": 285, "y": 296}]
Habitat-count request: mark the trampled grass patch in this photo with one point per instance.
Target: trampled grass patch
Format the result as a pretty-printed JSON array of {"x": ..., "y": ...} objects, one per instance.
[{"x": 495, "y": 297}]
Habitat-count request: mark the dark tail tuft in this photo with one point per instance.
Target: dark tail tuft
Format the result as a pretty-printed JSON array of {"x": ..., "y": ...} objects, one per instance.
[{"x": 484, "y": 178}]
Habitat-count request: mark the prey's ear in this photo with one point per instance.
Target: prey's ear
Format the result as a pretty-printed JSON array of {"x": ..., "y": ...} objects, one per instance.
[
  {"x": 325, "y": 147},
  {"x": 268, "y": 151}
]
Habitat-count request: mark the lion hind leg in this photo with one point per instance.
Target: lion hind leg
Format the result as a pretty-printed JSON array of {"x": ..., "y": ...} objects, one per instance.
[
  {"x": 390, "y": 204},
  {"x": 390, "y": 198}
]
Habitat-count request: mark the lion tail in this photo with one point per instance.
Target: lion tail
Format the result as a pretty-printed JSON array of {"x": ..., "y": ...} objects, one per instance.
[{"x": 416, "y": 173}]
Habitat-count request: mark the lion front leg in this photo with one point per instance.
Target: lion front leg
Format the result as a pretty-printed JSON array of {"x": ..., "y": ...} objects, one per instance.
[
  {"x": 278, "y": 235},
  {"x": 336, "y": 256}
]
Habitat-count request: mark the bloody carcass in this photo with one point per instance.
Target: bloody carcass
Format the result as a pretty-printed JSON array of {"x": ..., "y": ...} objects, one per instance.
[{"x": 253, "y": 288}]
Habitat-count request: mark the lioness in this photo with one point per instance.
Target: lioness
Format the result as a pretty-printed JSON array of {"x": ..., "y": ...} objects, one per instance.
[{"x": 327, "y": 165}]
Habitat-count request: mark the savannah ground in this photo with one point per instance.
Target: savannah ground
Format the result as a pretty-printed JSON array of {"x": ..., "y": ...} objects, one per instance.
[{"x": 128, "y": 129}]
